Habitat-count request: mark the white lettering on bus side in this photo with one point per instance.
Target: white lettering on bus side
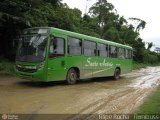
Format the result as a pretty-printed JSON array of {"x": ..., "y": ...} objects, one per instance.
[{"x": 95, "y": 63}]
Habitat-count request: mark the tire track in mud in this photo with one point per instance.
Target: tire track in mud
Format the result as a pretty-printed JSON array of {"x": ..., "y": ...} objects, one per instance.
[
  {"x": 125, "y": 101},
  {"x": 95, "y": 107},
  {"x": 122, "y": 102},
  {"x": 89, "y": 98}
]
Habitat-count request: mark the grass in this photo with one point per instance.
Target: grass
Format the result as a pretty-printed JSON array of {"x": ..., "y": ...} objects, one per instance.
[
  {"x": 6, "y": 67},
  {"x": 137, "y": 65},
  {"x": 151, "y": 105}
]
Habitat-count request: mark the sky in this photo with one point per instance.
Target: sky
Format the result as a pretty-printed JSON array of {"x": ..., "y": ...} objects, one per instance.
[{"x": 147, "y": 10}]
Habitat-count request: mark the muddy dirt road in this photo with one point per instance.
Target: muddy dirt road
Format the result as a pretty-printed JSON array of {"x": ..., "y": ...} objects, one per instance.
[{"x": 95, "y": 96}]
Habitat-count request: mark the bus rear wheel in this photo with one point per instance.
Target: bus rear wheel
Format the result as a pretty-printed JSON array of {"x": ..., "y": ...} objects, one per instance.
[
  {"x": 72, "y": 76},
  {"x": 117, "y": 74}
]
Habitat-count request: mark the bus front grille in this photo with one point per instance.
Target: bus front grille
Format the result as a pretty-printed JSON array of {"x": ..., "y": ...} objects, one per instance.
[{"x": 26, "y": 70}]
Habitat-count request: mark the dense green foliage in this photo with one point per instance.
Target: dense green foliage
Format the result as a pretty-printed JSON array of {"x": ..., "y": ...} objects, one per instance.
[
  {"x": 102, "y": 21},
  {"x": 6, "y": 67}
]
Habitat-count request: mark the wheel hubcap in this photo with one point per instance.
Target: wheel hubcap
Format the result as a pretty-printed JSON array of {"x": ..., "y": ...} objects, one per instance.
[{"x": 72, "y": 76}]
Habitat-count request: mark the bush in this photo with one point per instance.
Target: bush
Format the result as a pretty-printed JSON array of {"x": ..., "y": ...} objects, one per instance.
[
  {"x": 150, "y": 57},
  {"x": 6, "y": 67}
]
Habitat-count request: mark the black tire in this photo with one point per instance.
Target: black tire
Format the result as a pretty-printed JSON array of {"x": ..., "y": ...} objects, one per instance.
[
  {"x": 117, "y": 74},
  {"x": 72, "y": 76}
]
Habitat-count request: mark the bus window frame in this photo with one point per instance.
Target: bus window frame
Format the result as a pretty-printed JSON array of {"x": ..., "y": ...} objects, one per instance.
[
  {"x": 131, "y": 55},
  {"x": 74, "y": 46},
  {"x": 124, "y": 53},
  {"x": 51, "y": 56},
  {"x": 110, "y": 51},
  {"x": 95, "y": 50},
  {"x": 107, "y": 49}
]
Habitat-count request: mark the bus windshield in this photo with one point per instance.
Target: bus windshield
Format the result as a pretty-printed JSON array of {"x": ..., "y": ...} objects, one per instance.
[{"x": 32, "y": 48}]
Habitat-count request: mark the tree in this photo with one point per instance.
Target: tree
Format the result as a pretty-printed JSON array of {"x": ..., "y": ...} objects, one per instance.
[
  {"x": 150, "y": 44},
  {"x": 15, "y": 15},
  {"x": 55, "y": 3},
  {"x": 140, "y": 24},
  {"x": 103, "y": 21},
  {"x": 102, "y": 10}
]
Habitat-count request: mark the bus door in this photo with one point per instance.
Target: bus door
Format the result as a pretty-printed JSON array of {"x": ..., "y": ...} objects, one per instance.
[{"x": 56, "y": 60}]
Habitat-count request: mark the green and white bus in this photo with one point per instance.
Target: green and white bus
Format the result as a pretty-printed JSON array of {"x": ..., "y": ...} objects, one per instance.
[{"x": 51, "y": 54}]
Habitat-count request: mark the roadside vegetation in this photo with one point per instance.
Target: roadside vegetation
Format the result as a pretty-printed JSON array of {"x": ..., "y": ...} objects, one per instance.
[
  {"x": 6, "y": 67},
  {"x": 137, "y": 65},
  {"x": 102, "y": 21},
  {"x": 150, "y": 108},
  {"x": 152, "y": 104}
]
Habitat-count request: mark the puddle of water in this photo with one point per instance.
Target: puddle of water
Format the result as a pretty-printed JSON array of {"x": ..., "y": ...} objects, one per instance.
[{"x": 149, "y": 80}]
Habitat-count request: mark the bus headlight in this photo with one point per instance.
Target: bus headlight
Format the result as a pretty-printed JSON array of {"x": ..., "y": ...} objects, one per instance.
[{"x": 41, "y": 66}]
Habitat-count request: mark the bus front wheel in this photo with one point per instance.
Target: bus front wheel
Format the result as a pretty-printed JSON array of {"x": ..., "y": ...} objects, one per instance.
[
  {"x": 117, "y": 74},
  {"x": 72, "y": 76}
]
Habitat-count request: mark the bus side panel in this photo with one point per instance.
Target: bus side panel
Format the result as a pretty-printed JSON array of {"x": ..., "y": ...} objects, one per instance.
[
  {"x": 56, "y": 69},
  {"x": 88, "y": 66},
  {"x": 126, "y": 66},
  {"x": 104, "y": 68},
  {"x": 87, "y": 70},
  {"x": 115, "y": 63}
]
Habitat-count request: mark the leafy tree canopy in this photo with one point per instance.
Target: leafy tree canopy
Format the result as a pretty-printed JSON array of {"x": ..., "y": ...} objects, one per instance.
[{"x": 102, "y": 21}]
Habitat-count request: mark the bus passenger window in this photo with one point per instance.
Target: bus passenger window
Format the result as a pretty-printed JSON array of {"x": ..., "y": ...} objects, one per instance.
[
  {"x": 128, "y": 54},
  {"x": 113, "y": 51},
  {"x": 102, "y": 50},
  {"x": 74, "y": 46},
  {"x": 121, "y": 53},
  {"x": 89, "y": 48},
  {"x": 56, "y": 47}
]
